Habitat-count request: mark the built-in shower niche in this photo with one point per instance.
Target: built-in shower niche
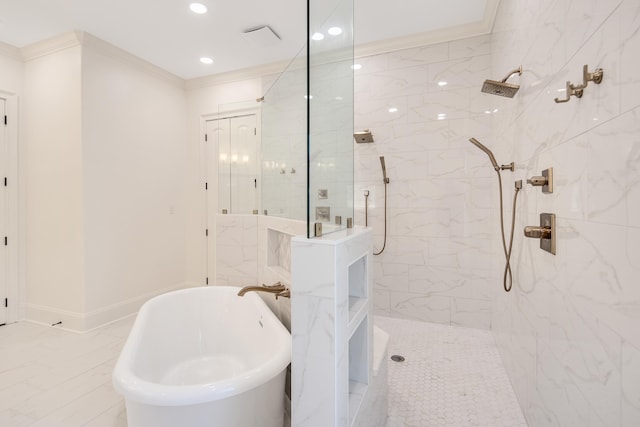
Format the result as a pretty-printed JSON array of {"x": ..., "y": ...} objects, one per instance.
[
  {"x": 357, "y": 293},
  {"x": 358, "y": 335},
  {"x": 279, "y": 252}
]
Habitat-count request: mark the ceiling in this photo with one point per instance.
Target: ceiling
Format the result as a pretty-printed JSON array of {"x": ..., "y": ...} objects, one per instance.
[{"x": 170, "y": 36}]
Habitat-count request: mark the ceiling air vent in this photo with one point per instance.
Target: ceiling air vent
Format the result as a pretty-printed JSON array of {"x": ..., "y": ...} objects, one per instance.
[{"x": 262, "y": 36}]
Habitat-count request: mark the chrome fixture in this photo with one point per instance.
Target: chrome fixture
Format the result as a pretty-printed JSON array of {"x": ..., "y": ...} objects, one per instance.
[
  {"x": 546, "y": 232},
  {"x": 510, "y": 166},
  {"x": 577, "y": 90},
  {"x": 349, "y": 222},
  {"x": 518, "y": 187},
  {"x": 570, "y": 91},
  {"x": 364, "y": 136},
  {"x": 317, "y": 229},
  {"x": 384, "y": 170},
  {"x": 366, "y": 208},
  {"x": 277, "y": 288},
  {"x": 545, "y": 181},
  {"x": 385, "y": 180},
  {"x": 502, "y": 88}
]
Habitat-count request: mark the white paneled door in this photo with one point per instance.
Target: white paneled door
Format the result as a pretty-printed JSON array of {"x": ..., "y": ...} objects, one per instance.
[
  {"x": 234, "y": 154},
  {"x": 4, "y": 254}
]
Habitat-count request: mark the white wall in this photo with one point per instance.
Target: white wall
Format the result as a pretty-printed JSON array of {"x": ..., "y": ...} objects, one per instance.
[
  {"x": 53, "y": 171},
  {"x": 11, "y": 69},
  {"x": 134, "y": 158},
  {"x": 105, "y": 171},
  {"x": 569, "y": 330},
  {"x": 438, "y": 264}
]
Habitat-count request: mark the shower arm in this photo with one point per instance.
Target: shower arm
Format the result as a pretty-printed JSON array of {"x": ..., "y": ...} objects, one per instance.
[{"x": 511, "y": 73}]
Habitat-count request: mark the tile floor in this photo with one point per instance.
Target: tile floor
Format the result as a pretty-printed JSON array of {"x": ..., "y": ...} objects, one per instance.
[
  {"x": 53, "y": 378},
  {"x": 451, "y": 377}
]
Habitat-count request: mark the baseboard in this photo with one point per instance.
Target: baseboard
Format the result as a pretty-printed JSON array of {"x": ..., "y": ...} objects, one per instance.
[{"x": 85, "y": 322}]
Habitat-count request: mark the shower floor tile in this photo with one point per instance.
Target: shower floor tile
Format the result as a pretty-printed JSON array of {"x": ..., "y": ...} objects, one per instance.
[{"x": 451, "y": 376}]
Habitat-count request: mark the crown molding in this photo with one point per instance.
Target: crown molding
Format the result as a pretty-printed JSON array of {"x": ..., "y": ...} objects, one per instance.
[
  {"x": 51, "y": 45},
  {"x": 98, "y": 45},
  {"x": 237, "y": 75},
  {"x": 479, "y": 28},
  {"x": 10, "y": 51},
  {"x": 87, "y": 40}
]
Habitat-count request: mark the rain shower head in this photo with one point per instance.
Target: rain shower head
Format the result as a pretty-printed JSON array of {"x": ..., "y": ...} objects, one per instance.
[
  {"x": 364, "y": 136},
  {"x": 486, "y": 150},
  {"x": 502, "y": 88}
]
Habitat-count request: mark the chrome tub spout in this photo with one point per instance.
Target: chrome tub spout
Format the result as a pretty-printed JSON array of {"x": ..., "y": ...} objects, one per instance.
[{"x": 277, "y": 288}]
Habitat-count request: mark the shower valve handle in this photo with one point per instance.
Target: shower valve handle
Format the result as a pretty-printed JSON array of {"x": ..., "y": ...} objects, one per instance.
[
  {"x": 537, "y": 232},
  {"x": 545, "y": 181},
  {"x": 546, "y": 232},
  {"x": 538, "y": 181}
]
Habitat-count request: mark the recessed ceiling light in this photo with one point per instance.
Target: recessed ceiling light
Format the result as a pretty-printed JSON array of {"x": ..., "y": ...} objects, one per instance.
[
  {"x": 206, "y": 60},
  {"x": 335, "y": 31},
  {"x": 198, "y": 8},
  {"x": 442, "y": 83},
  {"x": 393, "y": 110},
  {"x": 356, "y": 66},
  {"x": 317, "y": 36}
]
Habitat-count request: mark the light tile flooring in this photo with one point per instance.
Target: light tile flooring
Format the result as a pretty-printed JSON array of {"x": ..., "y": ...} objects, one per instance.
[
  {"x": 451, "y": 377},
  {"x": 50, "y": 377}
]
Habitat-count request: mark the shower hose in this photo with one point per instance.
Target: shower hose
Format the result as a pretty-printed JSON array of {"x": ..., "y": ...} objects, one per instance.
[{"x": 507, "y": 252}]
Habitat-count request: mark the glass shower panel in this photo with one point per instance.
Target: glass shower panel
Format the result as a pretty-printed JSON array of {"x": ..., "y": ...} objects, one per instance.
[
  {"x": 330, "y": 103},
  {"x": 307, "y": 125},
  {"x": 284, "y": 143}
]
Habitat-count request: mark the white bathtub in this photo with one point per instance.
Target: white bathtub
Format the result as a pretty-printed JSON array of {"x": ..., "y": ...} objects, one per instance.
[{"x": 204, "y": 357}]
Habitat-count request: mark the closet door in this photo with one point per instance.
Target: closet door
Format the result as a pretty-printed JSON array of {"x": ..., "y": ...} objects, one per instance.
[
  {"x": 4, "y": 198},
  {"x": 243, "y": 179}
]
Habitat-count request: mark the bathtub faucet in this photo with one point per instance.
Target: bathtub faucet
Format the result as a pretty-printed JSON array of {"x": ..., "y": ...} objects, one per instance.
[{"x": 277, "y": 288}]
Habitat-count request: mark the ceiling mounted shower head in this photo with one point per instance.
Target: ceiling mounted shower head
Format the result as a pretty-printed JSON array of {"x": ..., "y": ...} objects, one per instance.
[{"x": 502, "y": 88}]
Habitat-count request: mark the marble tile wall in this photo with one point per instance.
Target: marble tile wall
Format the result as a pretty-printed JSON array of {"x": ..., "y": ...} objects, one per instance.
[
  {"x": 422, "y": 105},
  {"x": 569, "y": 332},
  {"x": 236, "y": 250}
]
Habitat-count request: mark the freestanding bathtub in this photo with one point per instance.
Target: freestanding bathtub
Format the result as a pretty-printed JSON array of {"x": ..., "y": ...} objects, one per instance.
[{"x": 204, "y": 357}]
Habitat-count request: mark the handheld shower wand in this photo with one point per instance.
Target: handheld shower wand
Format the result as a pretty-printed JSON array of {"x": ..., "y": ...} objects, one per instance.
[
  {"x": 510, "y": 166},
  {"x": 384, "y": 170},
  {"x": 385, "y": 179},
  {"x": 486, "y": 150},
  {"x": 507, "y": 252}
]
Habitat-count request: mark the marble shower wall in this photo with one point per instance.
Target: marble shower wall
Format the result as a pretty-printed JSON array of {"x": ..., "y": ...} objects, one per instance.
[
  {"x": 422, "y": 105},
  {"x": 569, "y": 332}
]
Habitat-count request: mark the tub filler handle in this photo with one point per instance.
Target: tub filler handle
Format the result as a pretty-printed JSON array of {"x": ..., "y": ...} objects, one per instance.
[{"x": 278, "y": 289}]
